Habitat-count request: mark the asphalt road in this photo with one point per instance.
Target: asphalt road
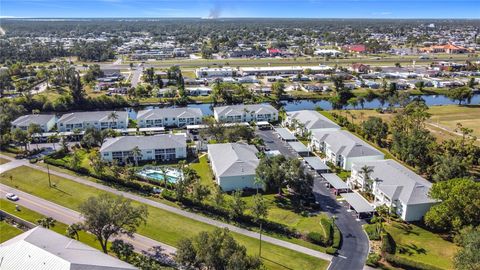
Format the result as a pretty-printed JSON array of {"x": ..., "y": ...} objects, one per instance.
[
  {"x": 187, "y": 214},
  {"x": 355, "y": 246},
  {"x": 69, "y": 216},
  {"x": 136, "y": 74}
]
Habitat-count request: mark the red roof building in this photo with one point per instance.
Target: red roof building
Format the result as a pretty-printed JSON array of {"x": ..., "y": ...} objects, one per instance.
[
  {"x": 274, "y": 51},
  {"x": 358, "y": 48}
]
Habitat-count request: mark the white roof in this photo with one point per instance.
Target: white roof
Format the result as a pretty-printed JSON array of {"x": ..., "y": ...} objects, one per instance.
[
  {"x": 233, "y": 159},
  {"x": 298, "y": 147},
  {"x": 316, "y": 163},
  {"x": 185, "y": 112},
  {"x": 344, "y": 143},
  {"x": 312, "y": 119},
  {"x": 161, "y": 141},
  {"x": 397, "y": 181},
  {"x": 285, "y": 134},
  {"x": 101, "y": 116},
  {"x": 358, "y": 203},
  {"x": 242, "y": 108},
  {"x": 39, "y": 119},
  {"x": 335, "y": 181},
  {"x": 43, "y": 249}
]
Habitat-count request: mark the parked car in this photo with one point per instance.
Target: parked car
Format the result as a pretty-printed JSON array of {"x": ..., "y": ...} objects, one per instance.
[{"x": 12, "y": 197}]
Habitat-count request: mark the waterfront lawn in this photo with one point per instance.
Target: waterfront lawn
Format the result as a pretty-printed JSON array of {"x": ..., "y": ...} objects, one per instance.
[
  {"x": 418, "y": 244},
  {"x": 8, "y": 231},
  {"x": 161, "y": 225},
  {"x": 59, "y": 227}
]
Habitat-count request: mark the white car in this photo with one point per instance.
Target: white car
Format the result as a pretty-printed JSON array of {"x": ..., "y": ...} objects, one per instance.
[{"x": 11, "y": 197}]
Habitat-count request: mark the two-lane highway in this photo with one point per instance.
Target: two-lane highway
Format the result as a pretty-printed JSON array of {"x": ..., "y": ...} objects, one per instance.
[{"x": 69, "y": 216}]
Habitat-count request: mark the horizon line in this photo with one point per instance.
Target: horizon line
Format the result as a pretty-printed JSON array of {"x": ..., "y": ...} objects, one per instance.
[{"x": 220, "y": 18}]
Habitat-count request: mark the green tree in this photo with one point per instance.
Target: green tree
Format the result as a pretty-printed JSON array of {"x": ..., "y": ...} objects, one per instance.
[
  {"x": 73, "y": 230},
  {"x": 123, "y": 250},
  {"x": 136, "y": 153},
  {"x": 106, "y": 216},
  {"x": 278, "y": 89},
  {"x": 468, "y": 257},
  {"x": 199, "y": 192},
  {"x": 458, "y": 205},
  {"x": 20, "y": 137},
  {"x": 237, "y": 205},
  {"x": 216, "y": 250},
  {"x": 47, "y": 222},
  {"x": 218, "y": 197},
  {"x": 375, "y": 130},
  {"x": 460, "y": 94},
  {"x": 259, "y": 208}
]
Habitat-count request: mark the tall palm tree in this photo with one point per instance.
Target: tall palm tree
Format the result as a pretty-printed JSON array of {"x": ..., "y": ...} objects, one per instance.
[
  {"x": 258, "y": 182},
  {"x": 73, "y": 230},
  {"x": 163, "y": 171},
  {"x": 112, "y": 117},
  {"x": 366, "y": 171},
  {"x": 136, "y": 152},
  {"x": 47, "y": 222}
]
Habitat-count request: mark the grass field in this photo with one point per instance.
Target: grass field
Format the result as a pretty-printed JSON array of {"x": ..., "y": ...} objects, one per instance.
[
  {"x": 161, "y": 225},
  {"x": 59, "y": 227},
  {"x": 442, "y": 123},
  {"x": 8, "y": 231},
  {"x": 420, "y": 245}
]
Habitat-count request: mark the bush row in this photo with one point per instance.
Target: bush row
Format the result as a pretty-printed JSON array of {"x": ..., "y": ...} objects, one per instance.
[
  {"x": 408, "y": 264},
  {"x": 388, "y": 244},
  {"x": 372, "y": 231},
  {"x": 107, "y": 178}
]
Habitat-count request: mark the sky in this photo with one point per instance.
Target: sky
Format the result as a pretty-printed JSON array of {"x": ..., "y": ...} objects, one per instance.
[{"x": 240, "y": 8}]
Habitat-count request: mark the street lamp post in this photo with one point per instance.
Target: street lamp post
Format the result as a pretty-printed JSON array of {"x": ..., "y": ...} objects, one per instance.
[{"x": 48, "y": 172}]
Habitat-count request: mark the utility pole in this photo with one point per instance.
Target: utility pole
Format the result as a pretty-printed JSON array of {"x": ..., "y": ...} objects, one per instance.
[{"x": 48, "y": 172}]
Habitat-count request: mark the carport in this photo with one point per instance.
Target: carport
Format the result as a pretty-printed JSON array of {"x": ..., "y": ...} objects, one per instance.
[
  {"x": 300, "y": 148},
  {"x": 361, "y": 206},
  {"x": 264, "y": 125},
  {"x": 317, "y": 164},
  {"x": 152, "y": 130},
  {"x": 335, "y": 182},
  {"x": 285, "y": 134}
]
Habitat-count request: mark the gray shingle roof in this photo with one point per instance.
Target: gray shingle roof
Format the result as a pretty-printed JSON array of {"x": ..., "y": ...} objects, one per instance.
[
  {"x": 312, "y": 119},
  {"x": 345, "y": 143},
  {"x": 43, "y": 249},
  {"x": 39, "y": 119},
  {"x": 127, "y": 143},
  {"x": 232, "y": 159},
  {"x": 169, "y": 112},
  {"x": 398, "y": 182},
  {"x": 101, "y": 116},
  {"x": 240, "y": 109}
]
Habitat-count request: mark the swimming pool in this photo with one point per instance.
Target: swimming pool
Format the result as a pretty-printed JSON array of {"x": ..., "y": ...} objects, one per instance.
[{"x": 172, "y": 174}]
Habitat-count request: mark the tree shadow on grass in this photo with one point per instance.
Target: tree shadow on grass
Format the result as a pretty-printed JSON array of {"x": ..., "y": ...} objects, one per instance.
[
  {"x": 64, "y": 192},
  {"x": 406, "y": 228},
  {"x": 277, "y": 263}
]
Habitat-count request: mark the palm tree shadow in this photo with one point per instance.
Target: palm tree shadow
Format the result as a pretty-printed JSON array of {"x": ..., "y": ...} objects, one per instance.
[
  {"x": 277, "y": 263},
  {"x": 64, "y": 192}
]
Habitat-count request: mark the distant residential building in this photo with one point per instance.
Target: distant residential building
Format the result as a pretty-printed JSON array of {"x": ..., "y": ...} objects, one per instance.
[
  {"x": 448, "y": 48},
  {"x": 233, "y": 165},
  {"x": 308, "y": 120},
  {"x": 43, "y": 249},
  {"x": 274, "y": 52},
  {"x": 282, "y": 70},
  {"x": 205, "y": 72},
  {"x": 245, "y": 113},
  {"x": 360, "y": 68},
  {"x": 45, "y": 121},
  {"x": 163, "y": 147},
  {"x": 94, "y": 119},
  {"x": 356, "y": 48},
  {"x": 198, "y": 91},
  {"x": 343, "y": 148},
  {"x": 395, "y": 186},
  {"x": 169, "y": 117},
  {"x": 245, "y": 53}
]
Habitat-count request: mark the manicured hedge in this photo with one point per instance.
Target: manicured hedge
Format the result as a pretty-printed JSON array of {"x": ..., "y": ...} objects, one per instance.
[
  {"x": 337, "y": 237},
  {"x": 408, "y": 264},
  {"x": 388, "y": 244},
  {"x": 373, "y": 259}
]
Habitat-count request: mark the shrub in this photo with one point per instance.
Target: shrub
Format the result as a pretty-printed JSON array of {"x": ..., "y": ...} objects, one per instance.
[
  {"x": 408, "y": 264},
  {"x": 317, "y": 238},
  {"x": 388, "y": 244},
  {"x": 372, "y": 231},
  {"x": 337, "y": 237},
  {"x": 331, "y": 250},
  {"x": 373, "y": 259}
]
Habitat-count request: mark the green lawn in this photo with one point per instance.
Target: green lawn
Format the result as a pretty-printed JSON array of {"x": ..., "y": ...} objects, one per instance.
[
  {"x": 59, "y": 227},
  {"x": 161, "y": 225},
  {"x": 202, "y": 167},
  {"x": 420, "y": 245},
  {"x": 3, "y": 161},
  {"x": 7, "y": 231}
]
